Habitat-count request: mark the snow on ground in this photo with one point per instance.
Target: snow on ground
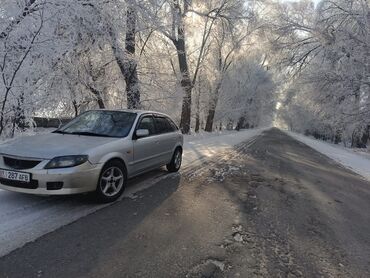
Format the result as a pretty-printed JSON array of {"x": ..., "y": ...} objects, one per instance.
[
  {"x": 355, "y": 161},
  {"x": 24, "y": 218},
  {"x": 202, "y": 146}
]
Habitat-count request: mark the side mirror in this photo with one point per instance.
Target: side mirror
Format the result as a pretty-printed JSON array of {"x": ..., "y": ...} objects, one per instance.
[{"x": 140, "y": 133}]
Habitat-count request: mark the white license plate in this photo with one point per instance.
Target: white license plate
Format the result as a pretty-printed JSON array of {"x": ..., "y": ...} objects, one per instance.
[{"x": 15, "y": 176}]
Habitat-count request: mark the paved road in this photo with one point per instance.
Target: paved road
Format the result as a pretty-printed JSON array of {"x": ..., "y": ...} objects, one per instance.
[{"x": 269, "y": 208}]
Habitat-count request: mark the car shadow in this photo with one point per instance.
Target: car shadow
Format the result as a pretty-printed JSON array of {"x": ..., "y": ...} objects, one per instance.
[
  {"x": 32, "y": 216},
  {"x": 119, "y": 218}
]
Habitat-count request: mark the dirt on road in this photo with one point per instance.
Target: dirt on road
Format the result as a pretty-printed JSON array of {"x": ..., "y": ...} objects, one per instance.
[{"x": 271, "y": 207}]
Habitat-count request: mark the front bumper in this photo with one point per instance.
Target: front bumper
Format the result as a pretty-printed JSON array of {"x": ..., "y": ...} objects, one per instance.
[{"x": 79, "y": 179}]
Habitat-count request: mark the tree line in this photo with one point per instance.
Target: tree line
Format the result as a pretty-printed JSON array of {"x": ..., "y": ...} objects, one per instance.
[
  {"x": 202, "y": 62},
  {"x": 210, "y": 64}
]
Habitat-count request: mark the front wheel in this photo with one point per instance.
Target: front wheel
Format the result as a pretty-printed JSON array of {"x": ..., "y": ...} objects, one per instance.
[
  {"x": 175, "y": 164},
  {"x": 112, "y": 181}
]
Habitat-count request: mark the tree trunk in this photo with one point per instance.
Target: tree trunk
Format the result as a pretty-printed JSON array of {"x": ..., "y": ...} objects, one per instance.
[
  {"x": 358, "y": 134},
  {"x": 210, "y": 117},
  {"x": 20, "y": 118},
  {"x": 127, "y": 62},
  {"x": 240, "y": 124},
  {"x": 360, "y": 137},
  {"x": 230, "y": 125},
  {"x": 98, "y": 97},
  {"x": 212, "y": 108},
  {"x": 338, "y": 137},
  {"x": 13, "y": 129},
  {"x": 213, "y": 101},
  {"x": 197, "y": 114},
  {"x": 2, "y": 117},
  {"x": 365, "y": 136},
  {"x": 75, "y": 107},
  {"x": 197, "y": 124},
  {"x": 130, "y": 74},
  {"x": 100, "y": 103},
  {"x": 186, "y": 83}
]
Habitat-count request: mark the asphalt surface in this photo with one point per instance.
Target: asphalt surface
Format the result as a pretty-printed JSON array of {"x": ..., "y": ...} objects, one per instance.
[{"x": 269, "y": 208}]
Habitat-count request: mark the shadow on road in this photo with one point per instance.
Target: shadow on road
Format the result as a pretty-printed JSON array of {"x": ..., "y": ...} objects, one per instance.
[{"x": 100, "y": 228}]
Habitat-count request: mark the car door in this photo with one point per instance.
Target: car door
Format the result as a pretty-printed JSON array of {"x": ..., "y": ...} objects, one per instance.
[
  {"x": 146, "y": 153},
  {"x": 166, "y": 138}
]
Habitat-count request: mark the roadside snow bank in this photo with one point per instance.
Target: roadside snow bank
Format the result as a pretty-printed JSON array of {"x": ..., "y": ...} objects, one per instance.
[{"x": 358, "y": 163}]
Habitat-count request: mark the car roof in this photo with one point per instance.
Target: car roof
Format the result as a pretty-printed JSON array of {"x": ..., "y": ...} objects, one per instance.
[{"x": 137, "y": 111}]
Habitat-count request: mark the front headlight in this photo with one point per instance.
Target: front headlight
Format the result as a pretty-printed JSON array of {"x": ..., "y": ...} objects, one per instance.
[{"x": 66, "y": 161}]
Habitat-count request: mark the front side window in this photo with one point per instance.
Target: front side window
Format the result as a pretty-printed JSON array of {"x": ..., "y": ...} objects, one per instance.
[
  {"x": 147, "y": 123},
  {"x": 101, "y": 123}
]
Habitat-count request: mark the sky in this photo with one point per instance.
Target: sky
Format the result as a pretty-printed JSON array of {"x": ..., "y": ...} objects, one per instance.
[{"x": 315, "y": 1}]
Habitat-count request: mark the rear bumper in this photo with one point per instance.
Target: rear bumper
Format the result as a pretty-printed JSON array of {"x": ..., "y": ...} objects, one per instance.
[{"x": 74, "y": 180}]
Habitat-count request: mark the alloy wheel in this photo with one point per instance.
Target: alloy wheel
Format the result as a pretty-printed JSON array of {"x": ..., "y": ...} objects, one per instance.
[
  {"x": 178, "y": 159},
  {"x": 112, "y": 181}
]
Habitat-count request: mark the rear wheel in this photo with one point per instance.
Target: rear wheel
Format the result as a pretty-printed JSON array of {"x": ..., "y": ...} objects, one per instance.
[
  {"x": 175, "y": 164},
  {"x": 112, "y": 181}
]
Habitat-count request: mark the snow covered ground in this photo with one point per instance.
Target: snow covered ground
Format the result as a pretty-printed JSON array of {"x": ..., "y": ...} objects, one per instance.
[
  {"x": 356, "y": 161},
  {"x": 24, "y": 218},
  {"x": 207, "y": 145}
]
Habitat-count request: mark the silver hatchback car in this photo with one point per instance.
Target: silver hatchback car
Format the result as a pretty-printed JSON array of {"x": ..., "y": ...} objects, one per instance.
[{"x": 97, "y": 151}]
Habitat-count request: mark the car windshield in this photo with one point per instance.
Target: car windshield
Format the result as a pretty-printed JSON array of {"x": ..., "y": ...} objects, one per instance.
[{"x": 100, "y": 123}]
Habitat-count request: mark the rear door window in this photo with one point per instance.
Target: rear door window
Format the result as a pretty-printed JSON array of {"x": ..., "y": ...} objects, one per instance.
[
  {"x": 173, "y": 125},
  {"x": 163, "y": 125}
]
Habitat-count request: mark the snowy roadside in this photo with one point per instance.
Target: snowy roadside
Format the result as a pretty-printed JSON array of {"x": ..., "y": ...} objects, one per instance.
[
  {"x": 24, "y": 218},
  {"x": 197, "y": 147},
  {"x": 357, "y": 162}
]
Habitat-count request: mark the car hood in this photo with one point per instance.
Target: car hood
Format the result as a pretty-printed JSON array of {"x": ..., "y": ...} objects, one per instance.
[{"x": 47, "y": 146}]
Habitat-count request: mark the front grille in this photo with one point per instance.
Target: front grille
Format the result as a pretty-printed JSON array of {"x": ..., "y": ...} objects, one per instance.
[
  {"x": 54, "y": 185},
  {"x": 20, "y": 164},
  {"x": 33, "y": 184}
]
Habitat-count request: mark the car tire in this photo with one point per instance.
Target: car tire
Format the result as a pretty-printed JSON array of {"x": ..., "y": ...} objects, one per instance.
[
  {"x": 175, "y": 164},
  {"x": 112, "y": 181}
]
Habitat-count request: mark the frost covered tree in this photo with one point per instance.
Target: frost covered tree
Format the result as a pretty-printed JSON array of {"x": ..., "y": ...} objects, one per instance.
[
  {"x": 326, "y": 50},
  {"x": 59, "y": 58},
  {"x": 248, "y": 94},
  {"x": 173, "y": 19},
  {"x": 21, "y": 30},
  {"x": 228, "y": 39}
]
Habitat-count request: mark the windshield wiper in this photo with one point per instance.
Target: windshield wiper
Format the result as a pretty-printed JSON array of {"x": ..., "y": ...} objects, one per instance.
[
  {"x": 60, "y": 132},
  {"x": 86, "y": 133}
]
